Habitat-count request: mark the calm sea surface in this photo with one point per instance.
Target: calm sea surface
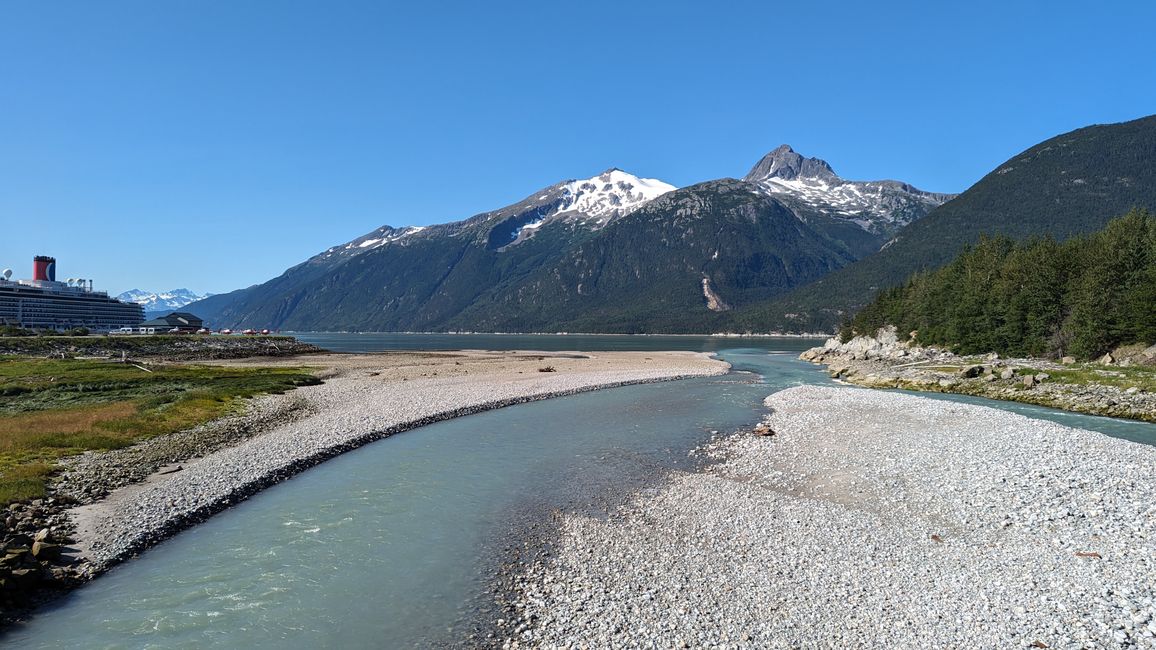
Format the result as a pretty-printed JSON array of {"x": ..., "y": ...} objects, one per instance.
[{"x": 393, "y": 545}]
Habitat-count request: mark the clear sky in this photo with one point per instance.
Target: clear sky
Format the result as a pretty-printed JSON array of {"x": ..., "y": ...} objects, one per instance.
[{"x": 211, "y": 144}]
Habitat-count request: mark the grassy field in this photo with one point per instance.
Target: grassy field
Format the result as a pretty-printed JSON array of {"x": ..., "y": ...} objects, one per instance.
[
  {"x": 51, "y": 408},
  {"x": 1142, "y": 377}
]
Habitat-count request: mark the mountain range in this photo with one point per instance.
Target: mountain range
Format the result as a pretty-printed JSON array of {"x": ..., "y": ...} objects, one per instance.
[
  {"x": 610, "y": 253},
  {"x": 162, "y": 302},
  {"x": 790, "y": 247}
]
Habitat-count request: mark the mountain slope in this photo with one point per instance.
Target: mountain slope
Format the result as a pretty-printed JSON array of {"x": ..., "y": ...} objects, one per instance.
[
  {"x": 1073, "y": 183},
  {"x": 430, "y": 272},
  {"x": 862, "y": 215},
  {"x": 675, "y": 265},
  {"x": 609, "y": 253}
]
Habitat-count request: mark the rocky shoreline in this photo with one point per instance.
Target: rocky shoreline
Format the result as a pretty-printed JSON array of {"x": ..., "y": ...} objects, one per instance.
[
  {"x": 881, "y": 361},
  {"x": 184, "y": 347},
  {"x": 866, "y": 519},
  {"x": 108, "y": 507}
]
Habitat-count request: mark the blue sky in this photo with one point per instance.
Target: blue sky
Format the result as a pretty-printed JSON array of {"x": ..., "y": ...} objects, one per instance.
[{"x": 212, "y": 144}]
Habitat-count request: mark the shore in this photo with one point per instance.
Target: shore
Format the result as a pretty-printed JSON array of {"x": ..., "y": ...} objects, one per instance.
[
  {"x": 364, "y": 398},
  {"x": 867, "y": 519},
  {"x": 168, "y": 347},
  {"x": 1123, "y": 388}
]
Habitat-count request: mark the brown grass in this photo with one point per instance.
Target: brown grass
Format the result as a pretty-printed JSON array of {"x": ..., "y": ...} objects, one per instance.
[
  {"x": 54, "y": 408},
  {"x": 25, "y": 431}
]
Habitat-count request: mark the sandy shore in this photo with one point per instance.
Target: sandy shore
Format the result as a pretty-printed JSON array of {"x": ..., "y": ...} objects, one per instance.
[
  {"x": 364, "y": 398},
  {"x": 868, "y": 520}
]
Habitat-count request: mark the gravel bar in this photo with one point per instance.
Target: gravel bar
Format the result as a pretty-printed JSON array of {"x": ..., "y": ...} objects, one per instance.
[
  {"x": 867, "y": 519},
  {"x": 344, "y": 413}
]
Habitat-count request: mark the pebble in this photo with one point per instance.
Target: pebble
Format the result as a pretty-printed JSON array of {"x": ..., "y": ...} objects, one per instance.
[{"x": 822, "y": 536}]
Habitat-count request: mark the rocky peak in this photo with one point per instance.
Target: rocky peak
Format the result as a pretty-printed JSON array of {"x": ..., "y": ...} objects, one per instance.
[{"x": 788, "y": 165}]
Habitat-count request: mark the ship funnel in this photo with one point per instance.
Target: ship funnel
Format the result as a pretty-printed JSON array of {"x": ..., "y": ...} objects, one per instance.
[{"x": 44, "y": 268}]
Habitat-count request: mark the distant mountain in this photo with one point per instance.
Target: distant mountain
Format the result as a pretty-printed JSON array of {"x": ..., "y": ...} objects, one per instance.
[
  {"x": 614, "y": 253},
  {"x": 1073, "y": 183},
  {"x": 862, "y": 215},
  {"x": 163, "y": 302}
]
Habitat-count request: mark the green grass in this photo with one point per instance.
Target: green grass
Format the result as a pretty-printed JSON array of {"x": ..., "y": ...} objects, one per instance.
[
  {"x": 1142, "y": 377},
  {"x": 50, "y": 408},
  {"x": 128, "y": 344}
]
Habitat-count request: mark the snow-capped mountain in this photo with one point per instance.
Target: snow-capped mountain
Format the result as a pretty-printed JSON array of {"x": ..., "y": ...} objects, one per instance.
[
  {"x": 590, "y": 203},
  {"x": 164, "y": 301},
  {"x": 816, "y": 193},
  {"x": 613, "y": 193},
  {"x": 613, "y": 252}
]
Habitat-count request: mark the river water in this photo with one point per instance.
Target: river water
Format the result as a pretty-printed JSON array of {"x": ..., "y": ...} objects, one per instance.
[{"x": 393, "y": 545}]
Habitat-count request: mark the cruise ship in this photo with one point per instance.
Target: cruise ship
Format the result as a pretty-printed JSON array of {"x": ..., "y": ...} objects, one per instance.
[{"x": 42, "y": 303}]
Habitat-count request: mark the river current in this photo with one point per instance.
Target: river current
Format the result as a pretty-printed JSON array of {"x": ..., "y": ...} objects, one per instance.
[{"x": 394, "y": 544}]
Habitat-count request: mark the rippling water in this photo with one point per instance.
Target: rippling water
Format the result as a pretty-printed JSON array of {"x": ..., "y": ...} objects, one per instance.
[{"x": 390, "y": 545}]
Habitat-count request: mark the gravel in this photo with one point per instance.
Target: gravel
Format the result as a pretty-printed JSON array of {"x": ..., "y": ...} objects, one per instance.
[
  {"x": 867, "y": 520},
  {"x": 342, "y": 414}
]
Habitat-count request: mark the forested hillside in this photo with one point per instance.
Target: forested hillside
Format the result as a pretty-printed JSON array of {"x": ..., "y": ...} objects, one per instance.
[{"x": 1084, "y": 296}]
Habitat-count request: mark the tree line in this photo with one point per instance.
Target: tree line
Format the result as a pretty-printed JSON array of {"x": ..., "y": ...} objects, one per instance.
[{"x": 1081, "y": 297}]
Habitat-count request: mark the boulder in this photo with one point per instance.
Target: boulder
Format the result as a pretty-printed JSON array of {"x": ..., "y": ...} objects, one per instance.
[
  {"x": 1029, "y": 381},
  {"x": 1067, "y": 361},
  {"x": 811, "y": 355},
  {"x": 45, "y": 551},
  {"x": 1107, "y": 359},
  {"x": 1042, "y": 377},
  {"x": 971, "y": 371},
  {"x": 1007, "y": 373}
]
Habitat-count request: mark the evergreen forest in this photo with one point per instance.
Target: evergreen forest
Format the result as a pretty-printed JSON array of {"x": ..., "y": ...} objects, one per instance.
[{"x": 1082, "y": 297}]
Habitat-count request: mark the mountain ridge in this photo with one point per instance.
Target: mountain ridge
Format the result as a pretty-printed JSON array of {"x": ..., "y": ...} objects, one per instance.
[
  {"x": 161, "y": 302},
  {"x": 556, "y": 261},
  {"x": 1070, "y": 184}
]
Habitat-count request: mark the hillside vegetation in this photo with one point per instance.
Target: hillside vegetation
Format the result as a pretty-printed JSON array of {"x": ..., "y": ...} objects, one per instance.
[{"x": 1083, "y": 297}]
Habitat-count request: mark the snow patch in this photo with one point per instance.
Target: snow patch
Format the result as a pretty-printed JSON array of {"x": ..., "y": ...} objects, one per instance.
[{"x": 611, "y": 194}]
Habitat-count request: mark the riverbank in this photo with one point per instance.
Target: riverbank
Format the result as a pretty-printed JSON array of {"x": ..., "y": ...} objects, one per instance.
[
  {"x": 867, "y": 519},
  {"x": 183, "y": 347},
  {"x": 192, "y": 474},
  {"x": 1112, "y": 387}
]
